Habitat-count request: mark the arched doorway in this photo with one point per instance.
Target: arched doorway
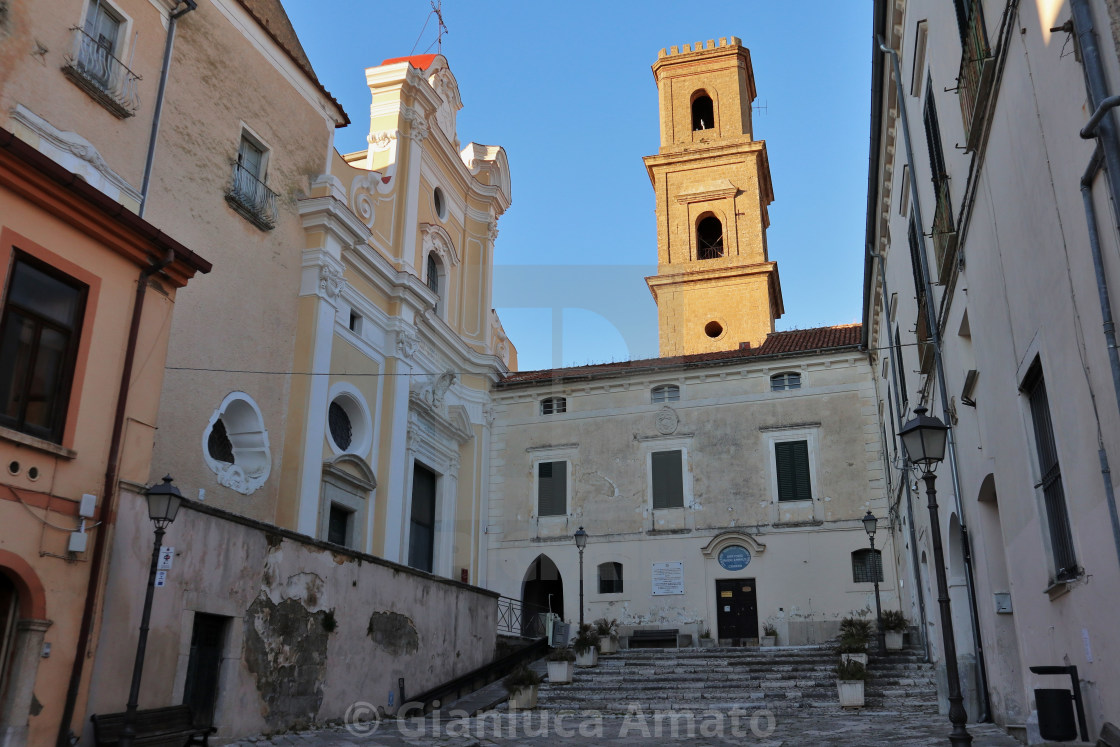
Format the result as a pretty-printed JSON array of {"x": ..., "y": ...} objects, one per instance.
[
  {"x": 23, "y": 625},
  {"x": 542, "y": 591}
]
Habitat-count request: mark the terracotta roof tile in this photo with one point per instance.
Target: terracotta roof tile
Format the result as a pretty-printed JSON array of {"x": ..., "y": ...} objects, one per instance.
[
  {"x": 418, "y": 61},
  {"x": 777, "y": 343}
]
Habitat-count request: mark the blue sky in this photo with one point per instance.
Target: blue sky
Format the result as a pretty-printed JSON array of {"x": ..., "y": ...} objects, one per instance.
[{"x": 567, "y": 90}]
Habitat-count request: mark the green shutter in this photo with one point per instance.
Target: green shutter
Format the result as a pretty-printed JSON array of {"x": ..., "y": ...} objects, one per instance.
[
  {"x": 552, "y": 488},
  {"x": 792, "y": 463},
  {"x": 668, "y": 480}
]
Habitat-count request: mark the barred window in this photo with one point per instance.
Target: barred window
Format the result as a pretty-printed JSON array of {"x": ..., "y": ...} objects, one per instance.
[{"x": 867, "y": 566}]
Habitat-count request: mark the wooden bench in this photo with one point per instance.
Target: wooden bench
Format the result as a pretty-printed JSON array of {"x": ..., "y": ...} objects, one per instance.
[
  {"x": 654, "y": 638},
  {"x": 169, "y": 725}
]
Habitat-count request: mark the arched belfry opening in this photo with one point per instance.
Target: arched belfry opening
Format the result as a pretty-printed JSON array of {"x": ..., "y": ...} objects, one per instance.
[
  {"x": 709, "y": 237},
  {"x": 542, "y": 590},
  {"x": 703, "y": 112}
]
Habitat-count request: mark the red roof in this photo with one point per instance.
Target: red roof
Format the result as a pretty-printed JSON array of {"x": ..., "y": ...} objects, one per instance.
[
  {"x": 793, "y": 342},
  {"x": 419, "y": 61}
]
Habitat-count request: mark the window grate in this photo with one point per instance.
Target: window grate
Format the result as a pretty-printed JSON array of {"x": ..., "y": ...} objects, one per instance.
[
  {"x": 867, "y": 566},
  {"x": 342, "y": 430}
]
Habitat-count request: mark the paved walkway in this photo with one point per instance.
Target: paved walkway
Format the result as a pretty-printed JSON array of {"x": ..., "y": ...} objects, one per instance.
[{"x": 644, "y": 728}]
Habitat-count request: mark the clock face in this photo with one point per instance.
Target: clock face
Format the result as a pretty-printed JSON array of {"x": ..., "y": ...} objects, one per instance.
[{"x": 734, "y": 558}]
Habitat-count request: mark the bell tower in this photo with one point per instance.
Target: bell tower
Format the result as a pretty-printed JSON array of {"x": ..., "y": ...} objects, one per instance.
[{"x": 715, "y": 286}]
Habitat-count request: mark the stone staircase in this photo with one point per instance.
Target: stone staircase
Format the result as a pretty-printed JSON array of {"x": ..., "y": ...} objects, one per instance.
[{"x": 788, "y": 680}]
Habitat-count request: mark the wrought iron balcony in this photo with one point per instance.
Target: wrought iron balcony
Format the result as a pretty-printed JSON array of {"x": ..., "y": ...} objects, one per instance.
[
  {"x": 944, "y": 233},
  {"x": 975, "y": 80},
  {"x": 250, "y": 196},
  {"x": 92, "y": 66}
]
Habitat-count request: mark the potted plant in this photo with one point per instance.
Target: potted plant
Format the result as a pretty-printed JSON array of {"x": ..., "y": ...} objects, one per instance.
[
  {"x": 854, "y": 634},
  {"x": 560, "y": 664},
  {"x": 850, "y": 679},
  {"x": 706, "y": 640},
  {"x": 608, "y": 635},
  {"x": 522, "y": 684},
  {"x": 894, "y": 625},
  {"x": 586, "y": 646},
  {"x": 769, "y": 635}
]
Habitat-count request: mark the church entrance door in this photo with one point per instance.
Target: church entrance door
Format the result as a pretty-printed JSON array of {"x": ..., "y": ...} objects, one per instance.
[{"x": 736, "y": 610}]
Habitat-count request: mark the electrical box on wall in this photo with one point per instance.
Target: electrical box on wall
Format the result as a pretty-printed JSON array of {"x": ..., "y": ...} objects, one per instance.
[
  {"x": 87, "y": 506},
  {"x": 78, "y": 542},
  {"x": 1003, "y": 602}
]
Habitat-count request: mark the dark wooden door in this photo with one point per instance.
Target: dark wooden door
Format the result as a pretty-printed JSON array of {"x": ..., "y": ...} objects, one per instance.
[
  {"x": 736, "y": 609},
  {"x": 201, "y": 691}
]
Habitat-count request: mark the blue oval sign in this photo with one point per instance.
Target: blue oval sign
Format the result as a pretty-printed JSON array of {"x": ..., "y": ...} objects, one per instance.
[{"x": 734, "y": 558}]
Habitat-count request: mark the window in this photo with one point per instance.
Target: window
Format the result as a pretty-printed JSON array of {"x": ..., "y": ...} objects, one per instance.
[
  {"x": 703, "y": 112},
  {"x": 339, "y": 525},
  {"x": 867, "y": 566},
  {"x": 431, "y": 277},
  {"x": 93, "y": 65},
  {"x": 342, "y": 431},
  {"x": 248, "y": 194},
  {"x": 919, "y": 64},
  {"x": 665, "y": 393},
  {"x": 901, "y": 369},
  {"x": 103, "y": 27},
  {"x": 439, "y": 203},
  {"x": 552, "y": 488},
  {"x": 791, "y": 459},
  {"x": 904, "y": 189},
  {"x": 783, "y": 381},
  {"x": 610, "y": 578},
  {"x": 553, "y": 405},
  {"x": 422, "y": 534},
  {"x": 39, "y": 335},
  {"x": 933, "y": 140},
  {"x": 709, "y": 238},
  {"x": 1057, "y": 516},
  {"x": 355, "y": 323},
  {"x": 667, "y": 479},
  {"x": 236, "y": 444}
]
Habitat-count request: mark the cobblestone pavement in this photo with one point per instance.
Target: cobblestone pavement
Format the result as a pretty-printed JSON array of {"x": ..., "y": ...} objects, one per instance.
[{"x": 638, "y": 728}]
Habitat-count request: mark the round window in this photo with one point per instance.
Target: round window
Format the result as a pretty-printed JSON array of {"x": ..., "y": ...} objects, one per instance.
[
  {"x": 713, "y": 329},
  {"x": 440, "y": 203},
  {"x": 342, "y": 431}
]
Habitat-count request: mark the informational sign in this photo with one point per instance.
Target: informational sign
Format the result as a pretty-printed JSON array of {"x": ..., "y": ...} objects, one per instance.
[
  {"x": 166, "y": 556},
  {"x": 734, "y": 558},
  {"x": 668, "y": 578},
  {"x": 161, "y": 578}
]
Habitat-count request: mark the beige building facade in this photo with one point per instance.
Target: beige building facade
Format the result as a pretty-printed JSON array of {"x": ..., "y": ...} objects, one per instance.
[{"x": 984, "y": 304}]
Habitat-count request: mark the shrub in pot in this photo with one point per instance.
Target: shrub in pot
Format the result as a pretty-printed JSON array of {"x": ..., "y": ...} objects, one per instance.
[
  {"x": 850, "y": 679},
  {"x": 769, "y": 635},
  {"x": 560, "y": 664},
  {"x": 522, "y": 684},
  {"x": 894, "y": 625},
  {"x": 706, "y": 640},
  {"x": 586, "y": 646},
  {"x": 854, "y": 635},
  {"x": 608, "y": 635}
]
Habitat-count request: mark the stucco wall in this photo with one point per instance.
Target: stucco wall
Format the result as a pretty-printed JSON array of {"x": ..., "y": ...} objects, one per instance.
[{"x": 281, "y": 665}]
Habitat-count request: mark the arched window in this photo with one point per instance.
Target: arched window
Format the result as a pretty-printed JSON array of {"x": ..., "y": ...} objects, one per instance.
[
  {"x": 235, "y": 444},
  {"x": 610, "y": 578},
  {"x": 703, "y": 112},
  {"x": 709, "y": 238},
  {"x": 665, "y": 393},
  {"x": 553, "y": 405},
  {"x": 788, "y": 380},
  {"x": 432, "y": 279},
  {"x": 867, "y": 566}
]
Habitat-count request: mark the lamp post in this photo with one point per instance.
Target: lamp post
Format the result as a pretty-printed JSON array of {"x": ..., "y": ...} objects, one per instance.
[
  {"x": 924, "y": 440},
  {"x": 163, "y": 505},
  {"x": 581, "y": 542},
  {"x": 870, "y": 523}
]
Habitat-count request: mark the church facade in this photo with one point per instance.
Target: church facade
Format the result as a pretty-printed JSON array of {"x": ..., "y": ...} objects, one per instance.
[{"x": 723, "y": 484}]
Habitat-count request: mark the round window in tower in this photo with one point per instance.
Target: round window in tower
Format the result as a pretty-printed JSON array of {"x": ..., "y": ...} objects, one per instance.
[
  {"x": 713, "y": 329},
  {"x": 440, "y": 203},
  {"x": 342, "y": 430}
]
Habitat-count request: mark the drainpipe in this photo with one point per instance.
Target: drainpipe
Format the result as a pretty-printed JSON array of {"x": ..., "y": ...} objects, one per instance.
[
  {"x": 935, "y": 333},
  {"x": 899, "y": 419},
  {"x": 66, "y": 737},
  {"x": 1101, "y": 126},
  {"x": 190, "y": 5}
]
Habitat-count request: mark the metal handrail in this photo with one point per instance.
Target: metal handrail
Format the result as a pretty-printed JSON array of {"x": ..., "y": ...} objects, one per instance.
[
  {"x": 252, "y": 197},
  {"x": 518, "y": 618},
  {"x": 92, "y": 65}
]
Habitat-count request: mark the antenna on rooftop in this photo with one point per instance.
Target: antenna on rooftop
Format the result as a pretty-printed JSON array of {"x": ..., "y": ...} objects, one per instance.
[
  {"x": 760, "y": 108},
  {"x": 437, "y": 8}
]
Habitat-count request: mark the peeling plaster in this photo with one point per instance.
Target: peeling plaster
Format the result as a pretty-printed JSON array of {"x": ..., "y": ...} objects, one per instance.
[{"x": 393, "y": 632}]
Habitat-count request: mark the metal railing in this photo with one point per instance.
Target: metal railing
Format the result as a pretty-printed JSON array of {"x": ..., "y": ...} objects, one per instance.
[
  {"x": 944, "y": 232},
  {"x": 974, "y": 80},
  {"x": 252, "y": 198},
  {"x": 925, "y": 339},
  {"x": 93, "y": 67},
  {"x": 517, "y": 618}
]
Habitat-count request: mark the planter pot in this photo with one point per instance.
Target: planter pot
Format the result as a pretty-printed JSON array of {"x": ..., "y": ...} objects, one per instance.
[
  {"x": 707, "y": 642},
  {"x": 588, "y": 658},
  {"x": 608, "y": 645},
  {"x": 560, "y": 672},
  {"x": 861, "y": 658},
  {"x": 850, "y": 692},
  {"x": 526, "y": 698},
  {"x": 893, "y": 639},
  {"x": 769, "y": 640}
]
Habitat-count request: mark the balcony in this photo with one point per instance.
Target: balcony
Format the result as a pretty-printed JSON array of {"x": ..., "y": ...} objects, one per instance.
[
  {"x": 944, "y": 233},
  {"x": 925, "y": 341},
  {"x": 250, "y": 196},
  {"x": 975, "y": 80},
  {"x": 94, "y": 69}
]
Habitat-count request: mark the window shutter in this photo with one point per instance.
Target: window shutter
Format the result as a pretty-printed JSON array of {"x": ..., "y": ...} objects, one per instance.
[
  {"x": 668, "y": 482},
  {"x": 792, "y": 463},
  {"x": 552, "y": 488}
]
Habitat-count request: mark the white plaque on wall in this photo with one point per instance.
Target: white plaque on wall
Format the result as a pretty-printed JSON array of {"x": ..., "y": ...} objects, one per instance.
[{"x": 668, "y": 578}]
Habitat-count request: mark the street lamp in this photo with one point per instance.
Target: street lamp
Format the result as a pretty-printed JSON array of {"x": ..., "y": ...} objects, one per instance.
[
  {"x": 924, "y": 439},
  {"x": 870, "y": 523},
  {"x": 581, "y": 542},
  {"x": 163, "y": 504}
]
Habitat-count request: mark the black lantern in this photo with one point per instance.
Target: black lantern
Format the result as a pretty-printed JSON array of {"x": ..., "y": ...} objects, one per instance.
[
  {"x": 924, "y": 439},
  {"x": 163, "y": 502},
  {"x": 581, "y": 542},
  {"x": 870, "y": 523}
]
